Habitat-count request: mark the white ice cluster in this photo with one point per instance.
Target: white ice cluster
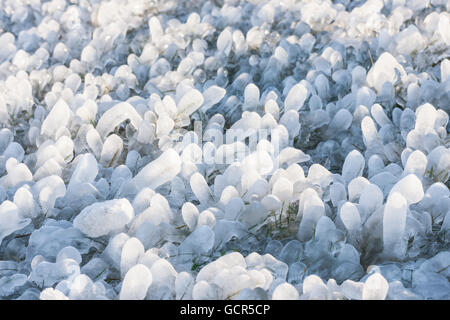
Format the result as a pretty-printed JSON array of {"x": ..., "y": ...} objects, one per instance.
[{"x": 226, "y": 149}]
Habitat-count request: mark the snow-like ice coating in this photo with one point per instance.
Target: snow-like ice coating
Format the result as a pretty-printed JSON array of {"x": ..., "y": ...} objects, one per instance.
[{"x": 232, "y": 149}]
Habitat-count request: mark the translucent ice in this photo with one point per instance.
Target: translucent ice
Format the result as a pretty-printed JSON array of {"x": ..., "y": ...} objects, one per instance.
[
  {"x": 341, "y": 121},
  {"x": 136, "y": 283},
  {"x": 82, "y": 288},
  {"x": 171, "y": 135},
  {"x": 18, "y": 173},
  {"x": 94, "y": 141},
  {"x": 116, "y": 115},
  {"x": 325, "y": 229},
  {"x": 290, "y": 120},
  {"x": 437, "y": 264},
  {"x": 47, "y": 274},
  {"x": 285, "y": 291},
  {"x": 379, "y": 115},
  {"x": 416, "y": 163},
  {"x": 398, "y": 292},
  {"x": 296, "y": 97},
  {"x": 113, "y": 250},
  {"x": 200, "y": 188},
  {"x": 410, "y": 40},
  {"x": 111, "y": 151},
  {"x": 159, "y": 171},
  {"x": 314, "y": 288},
  {"x": 86, "y": 170},
  {"x": 52, "y": 294},
  {"x": 290, "y": 156},
  {"x": 208, "y": 272},
  {"x": 371, "y": 199},
  {"x": 254, "y": 215},
  {"x": 375, "y": 288},
  {"x": 350, "y": 217},
  {"x": 445, "y": 70},
  {"x": 353, "y": 166},
  {"x": 189, "y": 103},
  {"x": 164, "y": 125},
  {"x": 296, "y": 272},
  {"x": 338, "y": 193},
  {"x": 11, "y": 284},
  {"x": 352, "y": 290},
  {"x": 443, "y": 27},
  {"x": 190, "y": 215},
  {"x": 69, "y": 252},
  {"x": 409, "y": 187},
  {"x": 10, "y": 220},
  {"x": 204, "y": 291},
  {"x": 158, "y": 212},
  {"x": 199, "y": 242},
  {"x": 184, "y": 284},
  {"x": 212, "y": 95},
  {"x": 312, "y": 211},
  {"x": 254, "y": 37},
  {"x": 291, "y": 252},
  {"x": 58, "y": 117},
  {"x": 101, "y": 218},
  {"x": 283, "y": 189},
  {"x": 88, "y": 54},
  {"x": 319, "y": 175},
  {"x": 143, "y": 200},
  {"x": 431, "y": 285},
  {"x": 386, "y": 68},
  {"x": 251, "y": 97},
  {"x": 163, "y": 284},
  {"x": 132, "y": 252},
  {"x": 394, "y": 221}
]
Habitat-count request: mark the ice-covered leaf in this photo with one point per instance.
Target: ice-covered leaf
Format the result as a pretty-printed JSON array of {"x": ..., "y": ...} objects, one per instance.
[{"x": 101, "y": 218}]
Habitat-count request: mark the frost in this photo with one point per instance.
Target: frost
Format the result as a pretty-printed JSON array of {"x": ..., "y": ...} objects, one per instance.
[
  {"x": 353, "y": 166},
  {"x": 410, "y": 187},
  {"x": 114, "y": 116},
  {"x": 296, "y": 97},
  {"x": 285, "y": 291},
  {"x": 313, "y": 209},
  {"x": 136, "y": 283},
  {"x": 224, "y": 149},
  {"x": 189, "y": 103},
  {"x": 375, "y": 288},
  {"x": 159, "y": 171},
  {"x": 386, "y": 68},
  {"x": 104, "y": 217},
  {"x": 10, "y": 220},
  {"x": 212, "y": 95},
  {"x": 350, "y": 216},
  {"x": 199, "y": 242},
  {"x": 58, "y": 117},
  {"x": 394, "y": 221}
]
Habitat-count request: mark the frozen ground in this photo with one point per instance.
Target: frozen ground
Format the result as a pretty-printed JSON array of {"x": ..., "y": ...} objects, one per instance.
[{"x": 224, "y": 149}]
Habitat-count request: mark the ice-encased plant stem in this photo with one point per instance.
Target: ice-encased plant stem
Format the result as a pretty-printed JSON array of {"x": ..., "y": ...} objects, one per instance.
[
  {"x": 224, "y": 149},
  {"x": 394, "y": 221}
]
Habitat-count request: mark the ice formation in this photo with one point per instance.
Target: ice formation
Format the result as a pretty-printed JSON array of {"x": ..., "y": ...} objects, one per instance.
[{"x": 233, "y": 149}]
